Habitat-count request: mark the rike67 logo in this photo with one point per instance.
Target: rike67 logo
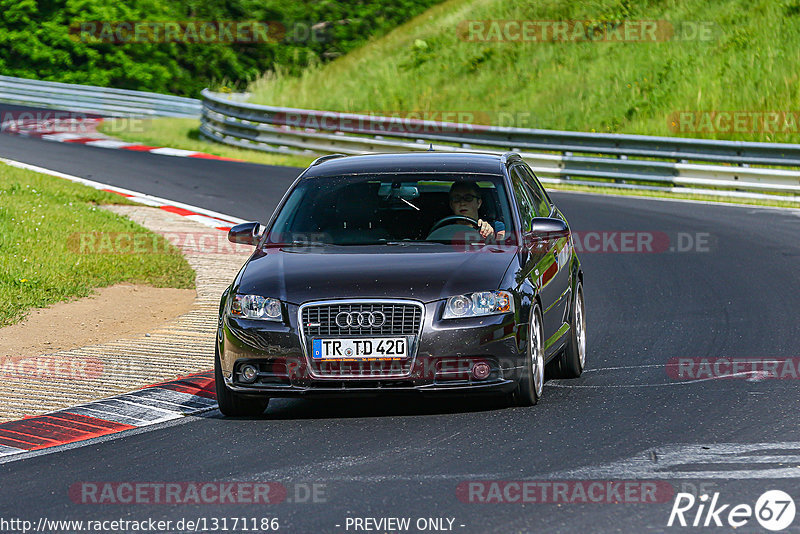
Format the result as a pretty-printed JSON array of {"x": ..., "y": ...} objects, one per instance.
[{"x": 774, "y": 510}]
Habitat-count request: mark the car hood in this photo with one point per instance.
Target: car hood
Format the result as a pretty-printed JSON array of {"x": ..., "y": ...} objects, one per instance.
[{"x": 349, "y": 272}]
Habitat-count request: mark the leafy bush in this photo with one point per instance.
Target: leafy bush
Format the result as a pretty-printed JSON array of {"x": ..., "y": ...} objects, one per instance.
[{"x": 41, "y": 40}]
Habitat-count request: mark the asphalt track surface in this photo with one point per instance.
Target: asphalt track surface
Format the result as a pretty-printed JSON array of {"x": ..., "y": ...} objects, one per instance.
[{"x": 623, "y": 419}]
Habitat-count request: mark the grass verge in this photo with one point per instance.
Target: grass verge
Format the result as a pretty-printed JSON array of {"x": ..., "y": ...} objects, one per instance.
[
  {"x": 40, "y": 218},
  {"x": 185, "y": 134}
]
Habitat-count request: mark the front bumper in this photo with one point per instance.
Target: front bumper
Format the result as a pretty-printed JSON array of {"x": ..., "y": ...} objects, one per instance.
[
  {"x": 445, "y": 352},
  {"x": 361, "y": 388}
]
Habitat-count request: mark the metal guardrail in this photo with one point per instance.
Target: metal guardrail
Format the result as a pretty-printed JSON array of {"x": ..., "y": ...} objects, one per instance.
[
  {"x": 100, "y": 100},
  {"x": 677, "y": 162}
]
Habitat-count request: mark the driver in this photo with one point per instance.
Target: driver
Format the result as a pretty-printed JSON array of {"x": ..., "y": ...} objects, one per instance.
[{"x": 465, "y": 200}]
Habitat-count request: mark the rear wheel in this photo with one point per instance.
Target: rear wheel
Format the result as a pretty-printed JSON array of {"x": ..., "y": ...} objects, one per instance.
[
  {"x": 531, "y": 384},
  {"x": 574, "y": 356},
  {"x": 231, "y": 403}
]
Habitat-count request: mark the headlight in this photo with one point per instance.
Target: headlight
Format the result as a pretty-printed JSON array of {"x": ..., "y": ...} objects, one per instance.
[
  {"x": 255, "y": 307},
  {"x": 477, "y": 304}
]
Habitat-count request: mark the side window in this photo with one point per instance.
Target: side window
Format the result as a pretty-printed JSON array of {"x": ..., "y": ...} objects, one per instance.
[
  {"x": 522, "y": 198},
  {"x": 541, "y": 203}
]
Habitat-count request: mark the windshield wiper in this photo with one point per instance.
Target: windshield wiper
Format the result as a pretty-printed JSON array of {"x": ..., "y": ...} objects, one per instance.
[
  {"x": 306, "y": 244},
  {"x": 411, "y": 242},
  {"x": 384, "y": 243}
]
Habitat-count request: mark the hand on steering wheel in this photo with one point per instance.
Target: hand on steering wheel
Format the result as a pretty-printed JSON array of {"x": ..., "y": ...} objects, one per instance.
[
  {"x": 451, "y": 219},
  {"x": 484, "y": 228}
]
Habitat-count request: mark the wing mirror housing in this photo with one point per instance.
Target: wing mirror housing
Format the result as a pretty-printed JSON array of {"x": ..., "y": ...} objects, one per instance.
[
  {"x": 248, "y": 233},
  {"x": 545, "y": 229}
]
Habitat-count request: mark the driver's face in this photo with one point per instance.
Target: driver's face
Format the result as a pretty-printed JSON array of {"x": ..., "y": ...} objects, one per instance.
[{"x": 464, "y": 202}]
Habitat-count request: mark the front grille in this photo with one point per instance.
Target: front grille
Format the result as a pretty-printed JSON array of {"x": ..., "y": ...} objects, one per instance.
[{"x": 401, "y": 319}]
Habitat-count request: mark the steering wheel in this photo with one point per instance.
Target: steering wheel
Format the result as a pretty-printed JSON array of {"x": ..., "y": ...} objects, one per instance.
[{"x": 451, "y": 219}]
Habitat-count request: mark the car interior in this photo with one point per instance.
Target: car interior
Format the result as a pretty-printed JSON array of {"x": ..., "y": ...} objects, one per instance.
[{"x": 374, "y": 211}]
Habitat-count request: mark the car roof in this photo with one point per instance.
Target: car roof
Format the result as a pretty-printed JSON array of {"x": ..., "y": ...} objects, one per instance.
[{"x": 410, "y": 162}]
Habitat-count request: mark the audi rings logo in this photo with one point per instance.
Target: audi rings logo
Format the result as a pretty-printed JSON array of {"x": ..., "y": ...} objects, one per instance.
[{"x": 360, "y": 319}]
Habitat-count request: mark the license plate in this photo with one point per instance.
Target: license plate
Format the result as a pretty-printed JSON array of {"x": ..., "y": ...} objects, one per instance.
[{"x": 378, "y": 347}]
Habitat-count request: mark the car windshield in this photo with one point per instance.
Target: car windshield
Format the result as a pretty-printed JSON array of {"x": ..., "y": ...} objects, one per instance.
[{"x": 395, "y": 209}]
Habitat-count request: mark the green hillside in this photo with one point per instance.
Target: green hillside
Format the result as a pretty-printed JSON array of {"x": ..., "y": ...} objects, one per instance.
[{"x": 720, "y": 56}]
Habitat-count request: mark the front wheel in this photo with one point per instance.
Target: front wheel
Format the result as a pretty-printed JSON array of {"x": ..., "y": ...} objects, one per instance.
[
  {"x": 531, "y": 384},
  {"x": 232, "y": 404},
  {"x": 573, "y": 358}
]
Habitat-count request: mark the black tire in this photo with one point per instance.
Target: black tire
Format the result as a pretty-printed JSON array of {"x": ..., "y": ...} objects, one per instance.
[
  {"x": 531, "y": 383},
  {"x": 573, "y": 358},
  {"x": 230, "y": 403}
]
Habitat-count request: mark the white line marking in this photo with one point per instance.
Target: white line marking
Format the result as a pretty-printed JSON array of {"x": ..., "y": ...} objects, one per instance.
[
  {"x": 148, "y": 408},
  {"x": 753, "y": 376},
  {"x": 626, "y": 367},
  {"x": 559, "y": 384},
  {"x": 5, "y": 450},
  {"x": 62, "y": 136},
  {"x": 140, "y": 197},
  {"x": 698, "y": 461},
  {"x": 170, "y": 399},
  {"x": 107, "y": 414},
  {"x": 109, "y": 143},
  {"x": 147, "y": 201},
  {"x": 166, "y": 151},
  {"x": 208, "y": 221}
]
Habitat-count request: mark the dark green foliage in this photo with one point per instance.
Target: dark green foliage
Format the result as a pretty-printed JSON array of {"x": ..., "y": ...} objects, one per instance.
[{"x": 36, "y": 42}]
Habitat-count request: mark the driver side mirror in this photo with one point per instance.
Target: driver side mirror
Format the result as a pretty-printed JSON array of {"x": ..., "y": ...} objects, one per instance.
[
  {"x": 545, "y": 229},
  {"x": 248, "y": 233}
]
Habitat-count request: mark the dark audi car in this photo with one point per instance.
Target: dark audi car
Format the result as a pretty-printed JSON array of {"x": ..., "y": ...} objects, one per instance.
[{"x": 423, "y": 273}]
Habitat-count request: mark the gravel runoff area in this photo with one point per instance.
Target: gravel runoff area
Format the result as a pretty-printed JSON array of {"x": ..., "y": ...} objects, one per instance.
[{"x": 34, "y": 385}]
